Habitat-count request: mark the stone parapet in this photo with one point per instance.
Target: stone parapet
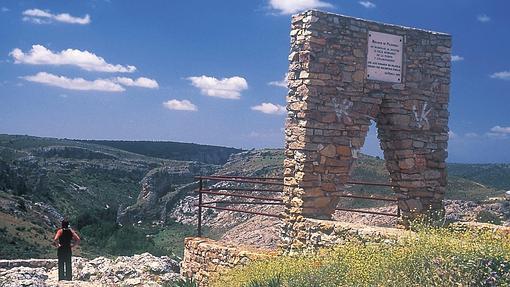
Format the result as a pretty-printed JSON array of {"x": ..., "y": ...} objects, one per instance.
[
  {"x": 313, "y": 234},
  {"x": 32, "y": 263},
  {"x": 205, "y": 258}
]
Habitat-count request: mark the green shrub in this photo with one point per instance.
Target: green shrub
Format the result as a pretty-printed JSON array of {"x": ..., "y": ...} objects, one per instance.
[
  {"x": 182, "y": 283},
  {"x": 431, "y": 257},
  {"x": 486, "y": 216}
]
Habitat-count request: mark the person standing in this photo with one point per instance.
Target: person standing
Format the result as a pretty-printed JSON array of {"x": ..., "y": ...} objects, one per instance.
[{"x": 65, "y": 239}]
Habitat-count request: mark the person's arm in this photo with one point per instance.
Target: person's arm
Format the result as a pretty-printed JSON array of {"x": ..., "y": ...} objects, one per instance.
[
  {"x": 76, "y": 238},
  {"x": 57, "y": 236}
]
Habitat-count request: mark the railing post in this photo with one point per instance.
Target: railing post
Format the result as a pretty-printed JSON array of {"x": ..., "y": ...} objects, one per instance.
[{"x": 199, "y": 228}]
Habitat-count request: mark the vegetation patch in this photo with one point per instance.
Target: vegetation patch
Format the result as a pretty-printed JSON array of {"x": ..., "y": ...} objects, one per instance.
[
  {"x": 485, "y": 216},
  {"x": 22, "y": 239},
  {"x": 102, "y": 236},
  {"x": 172, "y": 150},
  {"x": 431, "y": 257}
]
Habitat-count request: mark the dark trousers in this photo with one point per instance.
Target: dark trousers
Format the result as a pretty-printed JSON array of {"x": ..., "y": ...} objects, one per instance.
[{"x": 65, "y": 271}]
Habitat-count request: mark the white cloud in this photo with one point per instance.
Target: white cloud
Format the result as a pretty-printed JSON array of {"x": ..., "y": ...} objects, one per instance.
[
  {"x": 504, "y": 75},
  {"x": 269, "y": 108},
  {"x": 81, "y": 84},
  {"x": 457, "y": 58},
  {"x": 283, "y": 83},
  {"x": 471, "y": 135},
  {"x": 36, "y": 20},
  {"x": 483, "y": 18},
  {"x": 40, "y": 55},
  {"x": 501, "y": 130},
  {"x": 452, "y": 135},
  {"x": 367, "y": 4},
  {"x": 226, "y": 88},
  {"x": 294, "y": 6},
  {"x": 183, "y": 105},
  {"x": 140, "y": 82},
  {"x": 39, "y": 16},
  {"x": 5, "y": 9}
]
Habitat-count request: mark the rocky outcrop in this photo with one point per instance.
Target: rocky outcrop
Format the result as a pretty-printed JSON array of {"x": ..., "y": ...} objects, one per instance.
[
  {"x": 137, "y": 270},
  {"x": 23, "y": 276},
  {"x": 260, "y": 231},
  {"x": 160, "y": 189},
  {"x": 253, "y": 163},
  {"x": 465, "y": 211}
]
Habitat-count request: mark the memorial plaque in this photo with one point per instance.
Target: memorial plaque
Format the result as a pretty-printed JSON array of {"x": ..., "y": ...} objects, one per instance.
[{"x": 384, "y": 57}]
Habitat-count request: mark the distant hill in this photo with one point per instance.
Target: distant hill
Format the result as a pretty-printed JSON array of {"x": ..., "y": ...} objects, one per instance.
[
  {"x": 494, "y": 175},
  {"x": 173, "y": 150}
]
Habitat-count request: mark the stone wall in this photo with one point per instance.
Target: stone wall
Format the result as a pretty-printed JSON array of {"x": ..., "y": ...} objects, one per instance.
[
  {"x": 205, "y": 258},
  {"x": 31, "y": 263},
  {"x": 331, "y": 103},
  {"x": 315, "y": 234}
]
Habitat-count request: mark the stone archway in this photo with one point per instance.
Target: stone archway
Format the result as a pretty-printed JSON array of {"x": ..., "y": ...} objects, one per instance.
[{"x": 345, "y": 72}]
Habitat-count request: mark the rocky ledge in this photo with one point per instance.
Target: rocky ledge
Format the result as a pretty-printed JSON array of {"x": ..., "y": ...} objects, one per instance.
[{"x": 137, "y": 270}]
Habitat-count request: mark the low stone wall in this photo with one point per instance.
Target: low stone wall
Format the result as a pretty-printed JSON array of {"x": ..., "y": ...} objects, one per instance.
[
  {"x": 32, "y": 263},
  {"x": 205, "y": 258},
  {"x": 313, "y": 234}
]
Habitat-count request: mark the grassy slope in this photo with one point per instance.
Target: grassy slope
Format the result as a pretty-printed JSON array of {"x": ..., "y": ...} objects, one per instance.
[
  {"x": 493, "y": 175},
  {"x": 255, "y": 163},
  {"x": 20, "y": 238}
]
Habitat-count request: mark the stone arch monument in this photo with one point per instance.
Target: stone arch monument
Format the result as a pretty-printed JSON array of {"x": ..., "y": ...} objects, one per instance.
[{"x": 344, "y": 73}]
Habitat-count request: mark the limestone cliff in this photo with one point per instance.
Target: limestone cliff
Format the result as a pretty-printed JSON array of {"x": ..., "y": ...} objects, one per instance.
[{"x": 160, "y": 189}]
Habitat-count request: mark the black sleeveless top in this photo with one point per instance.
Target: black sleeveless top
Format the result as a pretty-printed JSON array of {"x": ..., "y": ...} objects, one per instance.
[{"x": 65, "y": 239}]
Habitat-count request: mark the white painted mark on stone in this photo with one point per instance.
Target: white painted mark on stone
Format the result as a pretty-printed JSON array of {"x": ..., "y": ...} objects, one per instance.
[
  {"x": 342, "y": 109},
  {"x": 355, "y": 153},
  {"x": 421, "y": 118}
]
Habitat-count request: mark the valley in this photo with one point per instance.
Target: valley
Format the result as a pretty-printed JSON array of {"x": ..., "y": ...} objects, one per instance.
[{"x": 124, "y": 203}]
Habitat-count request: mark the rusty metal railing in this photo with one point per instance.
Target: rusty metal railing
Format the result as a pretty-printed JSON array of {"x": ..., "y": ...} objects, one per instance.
[{"x": 269, "y": 201}]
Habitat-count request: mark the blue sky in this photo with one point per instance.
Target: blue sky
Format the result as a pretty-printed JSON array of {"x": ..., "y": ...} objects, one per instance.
[{"x": 209, "y": 71}]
